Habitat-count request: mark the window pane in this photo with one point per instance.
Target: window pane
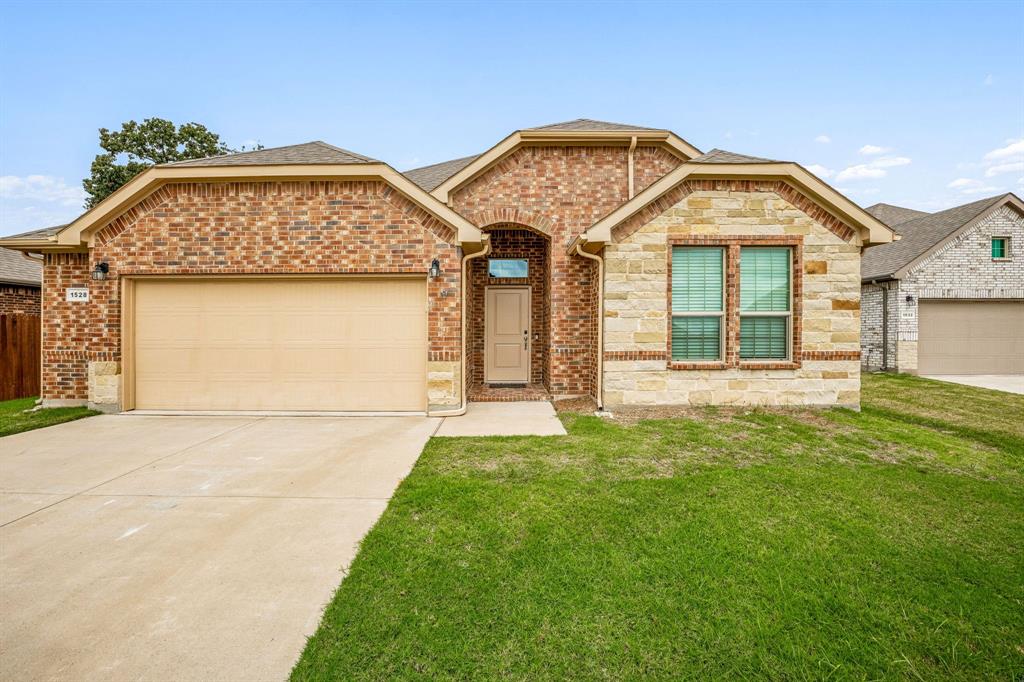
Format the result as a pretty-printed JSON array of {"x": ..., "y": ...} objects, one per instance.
[
  {"x": 763, "y": 338},
  {"x": 696, "y": 338},
  {"x": 696, "y": 279},
  {"x": 508, "y": 267},
  {"x": 999, "y": 248},
  {"x": 764, "y": 279}
]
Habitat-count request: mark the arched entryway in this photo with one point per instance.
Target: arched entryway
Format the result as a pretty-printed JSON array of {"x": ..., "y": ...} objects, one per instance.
[{"x": 503, "y": 362}]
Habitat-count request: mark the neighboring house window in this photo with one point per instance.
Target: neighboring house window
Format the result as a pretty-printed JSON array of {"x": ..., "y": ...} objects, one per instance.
[
  {"x": 766, "y": 307},
  {"x": 698, "y": 303},
  {"x": 1000, "y": 247},
  {"x": 509, "y": 268}
]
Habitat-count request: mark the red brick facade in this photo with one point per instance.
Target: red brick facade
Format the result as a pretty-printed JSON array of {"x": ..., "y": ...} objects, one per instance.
[
  {"x": 561, "y": 191},
  {"x": 16, "y": 299},
  {"x": 266, "y": 228},
  {"x": 510, "y": 242}
]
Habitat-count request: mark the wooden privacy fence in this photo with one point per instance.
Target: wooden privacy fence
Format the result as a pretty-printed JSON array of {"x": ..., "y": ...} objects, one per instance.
[{"x": 19, "y": 356}]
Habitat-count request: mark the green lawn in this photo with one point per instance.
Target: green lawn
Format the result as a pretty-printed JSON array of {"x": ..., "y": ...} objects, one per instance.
[
  {"x": 884, "y": 544},
  {"x": 15, "y": 419}
]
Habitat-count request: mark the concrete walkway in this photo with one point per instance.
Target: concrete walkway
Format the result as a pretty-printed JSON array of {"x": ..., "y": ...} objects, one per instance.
[
  {"x": 1010, "y": 383},
  {"x": 184, "y": 548},
  {"x": 536, "y": 418}
]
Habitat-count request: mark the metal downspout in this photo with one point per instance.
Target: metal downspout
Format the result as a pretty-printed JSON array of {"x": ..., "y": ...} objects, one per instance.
[
  {"x": 629, "y": 165},
  {"x": 600, "y": 316},
  {"x": 463, "y": 285},
  {"x": 885, "y": 328}
]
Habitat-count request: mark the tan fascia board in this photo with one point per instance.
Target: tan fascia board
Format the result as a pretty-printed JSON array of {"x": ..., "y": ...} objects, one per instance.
[
  {"x": 81, "y": 230},
  {"x": 677, "y": 145},
  {"x": 1010, "y": 199},
  {"x": 39, "y": 245},
  {"x": 872, "y": 231}
]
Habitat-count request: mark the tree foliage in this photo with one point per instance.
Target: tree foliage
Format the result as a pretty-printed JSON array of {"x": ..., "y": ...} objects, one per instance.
[{"x": 137, "y": 146}]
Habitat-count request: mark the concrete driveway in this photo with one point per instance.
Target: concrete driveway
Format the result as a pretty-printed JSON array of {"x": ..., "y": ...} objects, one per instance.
[
  {"x": 184, "y": 548},
  {"x": 1010, "y": 383}
]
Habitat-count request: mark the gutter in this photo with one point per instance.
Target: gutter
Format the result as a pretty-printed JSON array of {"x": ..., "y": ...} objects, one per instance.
[
  {"x": 600, "y": 318},
  {"x": 461, "y": 410}
]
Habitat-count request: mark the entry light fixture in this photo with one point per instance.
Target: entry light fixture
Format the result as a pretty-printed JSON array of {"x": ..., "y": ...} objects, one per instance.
[
  {"x": 435, "y": 269},
  {"x": 100, "y": 271},
  {"x": 910, "y": 298}
]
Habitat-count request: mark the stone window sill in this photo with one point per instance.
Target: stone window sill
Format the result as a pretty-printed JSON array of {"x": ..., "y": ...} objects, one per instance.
[
  {"x": 785, "y": 364},
  {"x": 682, "y": 365}
]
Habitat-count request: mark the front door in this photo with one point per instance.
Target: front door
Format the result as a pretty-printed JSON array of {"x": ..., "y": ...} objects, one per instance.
[{"x": 507, "y": 321}]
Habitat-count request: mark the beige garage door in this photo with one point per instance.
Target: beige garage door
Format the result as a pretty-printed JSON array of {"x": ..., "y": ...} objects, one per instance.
[
  {"x": 285, "y": 344},
  {"x": 969, "y": 337}
]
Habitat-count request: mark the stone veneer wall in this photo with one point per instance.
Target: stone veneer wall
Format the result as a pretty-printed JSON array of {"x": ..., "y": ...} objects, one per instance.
[
  {"x": 962, "y": 269},
  {"x": 258, "y": 228},
  {"x": 561, "y": 191},
  {"x": 826, "y": 367},
  {"x": 16, "y": 299}
]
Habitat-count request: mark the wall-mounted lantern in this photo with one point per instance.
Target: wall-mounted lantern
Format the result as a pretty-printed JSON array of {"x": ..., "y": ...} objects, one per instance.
[
  {"x": 435, "y": 269},
  {"x": 100, "y": 271},
  {"x": 910, "y": 299}
]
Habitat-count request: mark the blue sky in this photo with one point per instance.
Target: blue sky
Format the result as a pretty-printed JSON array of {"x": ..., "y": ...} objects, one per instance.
[{"x": 918, "y": 104}]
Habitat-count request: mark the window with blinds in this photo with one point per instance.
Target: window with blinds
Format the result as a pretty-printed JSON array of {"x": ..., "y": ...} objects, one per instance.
[
  {"x": 766, "y": 312},
  {"x": 698, "y": 304}
]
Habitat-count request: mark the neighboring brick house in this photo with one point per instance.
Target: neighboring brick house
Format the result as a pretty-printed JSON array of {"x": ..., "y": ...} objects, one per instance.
[
  {"x": 947, "y": 298},
  {"x": 582, "y": 258},
  {"x": 20, "y": 280}
]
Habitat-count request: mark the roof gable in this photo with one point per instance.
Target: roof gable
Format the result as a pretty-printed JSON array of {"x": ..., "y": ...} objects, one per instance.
[
  {"x": 922, "y": 235},
  {"x": 731, "y": 166}
]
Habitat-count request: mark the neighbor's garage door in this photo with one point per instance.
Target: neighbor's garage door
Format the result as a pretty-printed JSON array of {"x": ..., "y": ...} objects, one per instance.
[
  {"x": 286, "y": 344},
  {"x": 968, "y": 337}
]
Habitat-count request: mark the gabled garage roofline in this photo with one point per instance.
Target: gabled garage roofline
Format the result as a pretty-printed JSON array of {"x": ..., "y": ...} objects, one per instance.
[
  {"x": 1009, "y": 199},
  {"x": 872, "y": 230},
  {"x": 677, "y": 145},
  {"x": 81, "y": 231}
]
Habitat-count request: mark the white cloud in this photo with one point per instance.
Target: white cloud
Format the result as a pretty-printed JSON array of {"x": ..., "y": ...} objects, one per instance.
[
  {"x": 41, "y": 188},
  {"x": 1013, "y": 149},
  {"x": 823, "y": 139},
  {"x": 860, "y": 172},
  {"x": 873, "y": 150},
  {"x": 972, "y": 186},
  {"x": 989, "y": 80},
  {"x": 890, "y": 162},
  {"x": 1001, "y": 168},
  {"x": 821, "y": 171}
]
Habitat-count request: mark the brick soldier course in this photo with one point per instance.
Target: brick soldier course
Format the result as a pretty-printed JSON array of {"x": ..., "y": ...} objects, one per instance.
[{"x": 540, "y": 194}]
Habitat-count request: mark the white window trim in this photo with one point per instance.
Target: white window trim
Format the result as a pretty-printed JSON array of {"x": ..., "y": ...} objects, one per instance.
[
  {"x": 787, "y": 314},
  {"x": 1008, "y": 250},
  {"x": 720, "y": 314}
]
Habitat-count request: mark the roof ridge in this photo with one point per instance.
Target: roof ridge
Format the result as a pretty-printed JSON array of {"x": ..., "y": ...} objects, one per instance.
[{"x": 337, "y": 149}]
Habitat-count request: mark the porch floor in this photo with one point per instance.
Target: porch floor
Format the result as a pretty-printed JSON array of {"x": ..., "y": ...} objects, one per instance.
[
  {"x": 483, "y": 393},
  {"x": 534, "y": 418}
]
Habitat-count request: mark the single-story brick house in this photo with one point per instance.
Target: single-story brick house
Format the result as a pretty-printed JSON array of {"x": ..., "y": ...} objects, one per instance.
[
  {"x": 574, "y": 259},
  {"x": 21, "y": 278},
  {"x": 948, "y": 296}
]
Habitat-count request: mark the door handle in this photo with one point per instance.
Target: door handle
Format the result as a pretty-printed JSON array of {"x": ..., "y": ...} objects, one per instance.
[{"x": 526, "y": 339}]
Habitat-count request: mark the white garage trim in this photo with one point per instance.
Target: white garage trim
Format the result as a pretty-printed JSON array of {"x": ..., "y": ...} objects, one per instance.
[{"x": 339, "y": 363}]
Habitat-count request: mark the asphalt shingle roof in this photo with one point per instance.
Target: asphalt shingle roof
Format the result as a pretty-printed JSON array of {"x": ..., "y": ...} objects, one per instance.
[
  {"x": 894, "y": 215},
  {"x": 17, "y": 269},
  {"x": 41, "y": 233},
  {"x": 429, "y": 177},
  {"x": 722, "y": 156},
  {"x": 307, "y": 153},
  {"x": 918, "y": 236},
  {"x": 589, "y": 125}
]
